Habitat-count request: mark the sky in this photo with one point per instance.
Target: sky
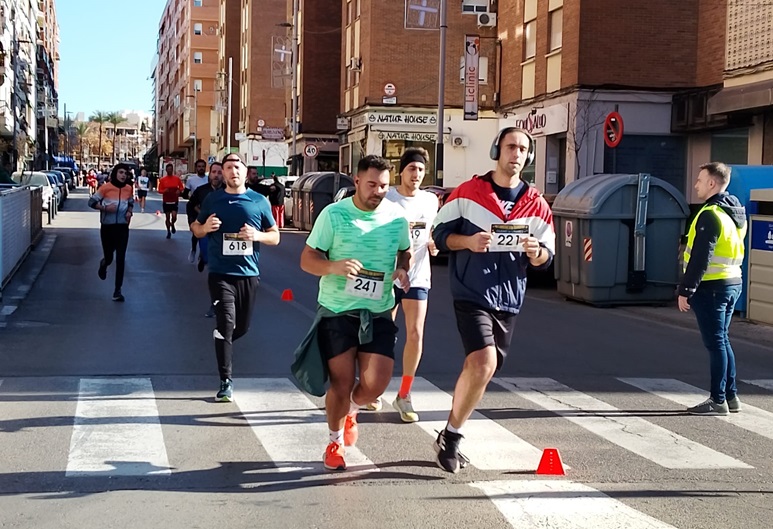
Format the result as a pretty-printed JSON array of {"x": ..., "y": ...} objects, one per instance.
[{"x": 106, "y": 50}]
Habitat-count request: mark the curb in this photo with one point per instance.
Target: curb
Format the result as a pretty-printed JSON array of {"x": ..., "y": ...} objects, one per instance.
[{"x": 23, "y": 280}]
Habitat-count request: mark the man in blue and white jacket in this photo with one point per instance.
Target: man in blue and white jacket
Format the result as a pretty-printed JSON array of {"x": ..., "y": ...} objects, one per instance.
[{"x": 496, "y": 226}]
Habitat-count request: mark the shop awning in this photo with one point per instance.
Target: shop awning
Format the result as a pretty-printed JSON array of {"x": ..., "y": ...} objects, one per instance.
[{"x": 745, "y": 97}]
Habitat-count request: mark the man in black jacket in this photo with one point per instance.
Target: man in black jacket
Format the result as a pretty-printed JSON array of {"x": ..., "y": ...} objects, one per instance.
[
  {"x": 712, "y": 281},
  {"x": 276, "y": 195}
]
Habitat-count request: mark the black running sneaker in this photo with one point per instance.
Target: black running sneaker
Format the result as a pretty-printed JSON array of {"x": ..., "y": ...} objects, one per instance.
[
  {"x": 102, "y": 272},
  {"x": 226, "y": 393},
  {"x": 117, "y": 296},
  {"x": 447, "y": 448}
]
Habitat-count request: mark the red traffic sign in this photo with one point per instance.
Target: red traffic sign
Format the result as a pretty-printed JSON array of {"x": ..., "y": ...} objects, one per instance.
[
  {"x": 613, "y": 129},
  {"x": 311, "y": 150}
]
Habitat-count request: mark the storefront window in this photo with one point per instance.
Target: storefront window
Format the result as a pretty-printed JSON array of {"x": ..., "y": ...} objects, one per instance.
[
  {"x": 664, "y": 157},
  {"x": 393, "y": 150},
  {"x": 730, "y": 146}
]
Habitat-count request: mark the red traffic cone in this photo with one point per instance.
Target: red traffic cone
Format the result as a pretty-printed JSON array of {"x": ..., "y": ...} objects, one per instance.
[
  {"x": 287, "y": 295},
  {"x": 158, "y": 213},
  {"x": 551, "y": 464}
]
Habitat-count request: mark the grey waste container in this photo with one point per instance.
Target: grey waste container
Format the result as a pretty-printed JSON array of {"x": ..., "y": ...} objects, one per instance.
[
  {"x": 297, "y": 197},
  {"x": 318, "y": 191},
  {"x": 617, "y": 239}
]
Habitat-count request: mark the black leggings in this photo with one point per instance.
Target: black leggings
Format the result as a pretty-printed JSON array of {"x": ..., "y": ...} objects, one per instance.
[
  {"x": 115, "y": 239},
  {"x": 234, "y": 299}
]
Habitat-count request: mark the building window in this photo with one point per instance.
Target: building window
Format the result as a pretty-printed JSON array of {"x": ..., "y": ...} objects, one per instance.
[
  {"x": 349, "y": 12},
  {"x": 556, "y": 29},
  {"x": 198, "y": 3},
  {"x": 197, "y": 28},
  {"x": 197, "y": 85},
  {"x": 482, "y": 70},
  {"x": 530, "y": 40},
  {"x": 197, "y": 57},
  {"x": 358, "y": 9},
  {"x": 475, "y": 6}
]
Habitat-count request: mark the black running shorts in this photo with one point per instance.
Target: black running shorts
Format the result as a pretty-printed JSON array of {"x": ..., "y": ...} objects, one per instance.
[
  {"x": 168, "y": 208},
  {"x": 481, "y": 328},
  {"x": 340, "y": 333}
]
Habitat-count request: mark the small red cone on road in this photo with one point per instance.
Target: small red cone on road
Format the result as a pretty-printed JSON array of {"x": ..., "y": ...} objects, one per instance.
[
  {"x": 551, "y": 464},
  {"x": 158, "y": 213},
  {"x": 287, "y": 295}
]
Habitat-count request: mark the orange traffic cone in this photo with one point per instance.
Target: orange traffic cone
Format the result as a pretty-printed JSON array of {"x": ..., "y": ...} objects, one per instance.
[
  {"x": 551, "y": 464},
  {"x": 287, "y": 295}
]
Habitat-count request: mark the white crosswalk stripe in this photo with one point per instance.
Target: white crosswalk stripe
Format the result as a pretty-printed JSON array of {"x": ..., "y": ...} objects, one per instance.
[
  {"x": 487, "y": 444},
  {"x": 632, "y": 433},
  {"x": 537, "y": 504},
  {"x": 290, "y": 427},
  {"x": 117, "y": 430},
  {"x": 751, "y": 418},
  {"x": 766, "y": 384}
]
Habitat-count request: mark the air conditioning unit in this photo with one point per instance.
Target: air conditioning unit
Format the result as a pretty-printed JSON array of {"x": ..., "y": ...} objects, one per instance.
[
  {"x": 460, "y": 141},
  {"x": 355, "y": 64},
  {"x": 487, "y": 20}
]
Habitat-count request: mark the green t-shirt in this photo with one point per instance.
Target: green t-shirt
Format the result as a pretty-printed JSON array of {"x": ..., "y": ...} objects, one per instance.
[{"x": 344, "y": 231}]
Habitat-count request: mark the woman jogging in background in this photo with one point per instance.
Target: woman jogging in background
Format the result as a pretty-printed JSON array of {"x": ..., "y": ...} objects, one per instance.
[{"x": 115, "y": 200}]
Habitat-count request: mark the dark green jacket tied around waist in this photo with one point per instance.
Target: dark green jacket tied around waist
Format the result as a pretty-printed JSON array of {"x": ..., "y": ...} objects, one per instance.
[{"x": 310, "y": 365}]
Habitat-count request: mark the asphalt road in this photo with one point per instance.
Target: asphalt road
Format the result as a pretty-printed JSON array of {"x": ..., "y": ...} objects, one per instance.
[{"x": 107, "y": 417}]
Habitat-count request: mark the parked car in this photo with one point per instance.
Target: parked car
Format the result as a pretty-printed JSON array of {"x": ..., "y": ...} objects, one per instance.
[
  {"x": 40, "y": 179},
  {"x": 69, "y": 175},
  {"x": 58, "y": 193},
  {"x": 344, "y": 192},
  {"x": 61, "y": 180}
]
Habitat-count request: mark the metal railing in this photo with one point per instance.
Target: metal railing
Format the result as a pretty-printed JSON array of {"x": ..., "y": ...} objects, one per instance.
[{"x": 21, "y": 225}]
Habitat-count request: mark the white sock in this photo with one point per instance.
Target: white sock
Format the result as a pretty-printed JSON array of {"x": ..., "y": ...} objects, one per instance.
[
  {"x": 337, "y": 436},
  {"x": 353, "y": 406},
  {"x": 452, "y": 429}
]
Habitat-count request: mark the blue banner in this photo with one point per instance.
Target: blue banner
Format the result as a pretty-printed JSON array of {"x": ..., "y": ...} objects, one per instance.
[{"x": 762, "y": 235}]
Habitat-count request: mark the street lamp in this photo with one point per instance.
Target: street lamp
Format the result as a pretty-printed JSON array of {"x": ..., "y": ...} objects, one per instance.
[{"x": 195, "y": 122}]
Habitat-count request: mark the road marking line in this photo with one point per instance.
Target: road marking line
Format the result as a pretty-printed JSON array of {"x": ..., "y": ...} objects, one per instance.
[
  {"x": 750, "y": 418},
  {"x": 562, "y": 504},
  {"x": 8, "y": 310},
  {"x": 765, "y": 384},
  {"x": 641, "y": 437},
  {"x": 117, "y": 430},
  {"x": 488, "y": 445},
  {"x": 289, "y": 425}
]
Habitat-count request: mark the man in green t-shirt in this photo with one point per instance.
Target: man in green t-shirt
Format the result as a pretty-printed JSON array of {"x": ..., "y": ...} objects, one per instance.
[{"x": 358, "y": 247}]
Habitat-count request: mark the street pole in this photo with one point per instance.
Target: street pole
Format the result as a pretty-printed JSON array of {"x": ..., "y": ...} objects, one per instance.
[
  {"x": 230, "y": 92},
  {"x": 195, "y": 124},
  {"x": 441, "y": 94},
  {"x": 66, "y": 135},
  {"x": 45, "y": 130},
  {"x": 295, "y": 83}
]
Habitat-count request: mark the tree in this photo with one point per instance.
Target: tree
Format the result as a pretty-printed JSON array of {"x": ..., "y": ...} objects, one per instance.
[
  {"x": 584, "y": 116},
  {"x": 115, "y": 119},
  {"x": 81, "y": 129},
  {"x": 100, "y": 118}
]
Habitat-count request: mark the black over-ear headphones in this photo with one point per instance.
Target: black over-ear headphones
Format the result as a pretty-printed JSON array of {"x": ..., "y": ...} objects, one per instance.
[{"x": 495, "y": 151}]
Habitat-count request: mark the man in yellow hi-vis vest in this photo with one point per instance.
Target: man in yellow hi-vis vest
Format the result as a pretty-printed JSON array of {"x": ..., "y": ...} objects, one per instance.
[{"x": 712, "y": 281}]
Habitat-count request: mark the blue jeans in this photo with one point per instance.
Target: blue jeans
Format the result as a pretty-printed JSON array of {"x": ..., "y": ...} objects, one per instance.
[{"x": 713, "y": 307}]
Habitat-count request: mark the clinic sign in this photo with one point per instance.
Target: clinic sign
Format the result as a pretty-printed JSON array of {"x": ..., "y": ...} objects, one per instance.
[
  {"x": 471, "y": 76},
  {"x": 402, "y": 119},
  {"x": 542, "y": 121}
]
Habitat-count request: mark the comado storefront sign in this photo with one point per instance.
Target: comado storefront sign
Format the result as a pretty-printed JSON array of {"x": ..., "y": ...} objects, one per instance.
[
  {"x": 543, "y": 122},
  {"x": 411, "y": 119}
]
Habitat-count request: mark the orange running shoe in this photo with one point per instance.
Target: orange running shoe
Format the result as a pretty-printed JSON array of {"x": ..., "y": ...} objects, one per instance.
[
  {"x": 351, "y": 432},
  {"x": 334, "y": 457}
]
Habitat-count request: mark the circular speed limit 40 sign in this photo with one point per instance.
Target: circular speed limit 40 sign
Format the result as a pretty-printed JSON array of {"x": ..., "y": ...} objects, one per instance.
[{"x": 311, "y": 150}]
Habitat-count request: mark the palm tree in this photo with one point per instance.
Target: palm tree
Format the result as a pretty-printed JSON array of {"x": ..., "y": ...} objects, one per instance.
[
  {"x": 115, "y": 118},
  {"x": 81, "y": 129},
  {"x": 99, "y": 117}
]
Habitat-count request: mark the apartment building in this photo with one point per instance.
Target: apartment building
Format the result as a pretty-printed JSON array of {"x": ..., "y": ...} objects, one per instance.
[
  {"x": 261, "y": 126},
  {"x": 230, "y": 33},
  {"x": 186, "y": 80},
  {"x": 319, "y": 86},
  {"x": 570, "y": 63},
  {"x": 19, "y": 22},
  {"x": 47, "y": 94},
  {"x": 390, "y": 82}
]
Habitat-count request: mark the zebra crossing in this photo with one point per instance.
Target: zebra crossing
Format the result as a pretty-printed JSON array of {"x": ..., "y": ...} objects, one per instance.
[{"x": 118, "y": 430}]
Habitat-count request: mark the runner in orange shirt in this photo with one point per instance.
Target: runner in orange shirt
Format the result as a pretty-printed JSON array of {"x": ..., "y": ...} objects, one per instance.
[{"x": 170, "y": 188}]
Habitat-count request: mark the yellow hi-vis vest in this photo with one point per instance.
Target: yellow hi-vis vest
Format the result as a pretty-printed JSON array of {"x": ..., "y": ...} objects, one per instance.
[{"x": 729, "y": 251}]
